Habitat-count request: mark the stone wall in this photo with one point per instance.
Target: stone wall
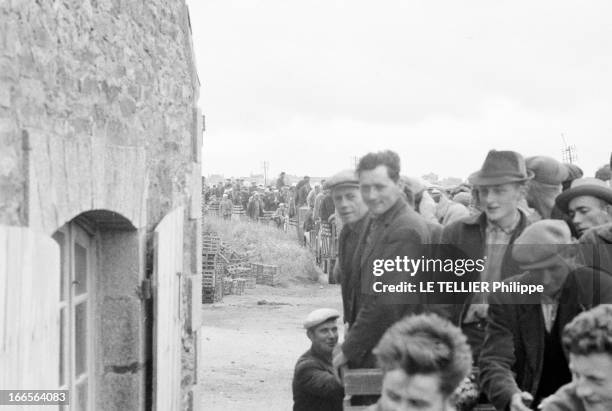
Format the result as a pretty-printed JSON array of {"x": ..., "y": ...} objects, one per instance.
[
  {"x": 98, "y": 112},
  {"x": 85, "y": 75}
]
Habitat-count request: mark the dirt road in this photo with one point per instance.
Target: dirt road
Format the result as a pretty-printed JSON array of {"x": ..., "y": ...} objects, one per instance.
[{"x": 248, "y": 349}]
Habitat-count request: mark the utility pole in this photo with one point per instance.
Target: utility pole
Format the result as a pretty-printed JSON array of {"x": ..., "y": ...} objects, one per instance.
[
  {"x": 355, "y": 161},
  {"x": 265, "y": 172},
  {"x": 568, "y": 152}
]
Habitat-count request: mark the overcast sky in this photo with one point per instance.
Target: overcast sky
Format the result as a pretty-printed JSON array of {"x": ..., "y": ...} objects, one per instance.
[{"x": 307, "y": 85}]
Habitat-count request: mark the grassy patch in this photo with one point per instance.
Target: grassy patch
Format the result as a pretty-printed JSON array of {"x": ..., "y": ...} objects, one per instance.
[{"x": 296, "y": 264}]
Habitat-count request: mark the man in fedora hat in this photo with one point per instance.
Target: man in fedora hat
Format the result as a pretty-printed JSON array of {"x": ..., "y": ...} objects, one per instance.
[
  {"x": 499, "y": 187},
  {"x": 588, "y": 202},
  {"x": 522, "y": 359},
  {"x": 315, "y": 386},
  {"x": 352, "y": 211}
]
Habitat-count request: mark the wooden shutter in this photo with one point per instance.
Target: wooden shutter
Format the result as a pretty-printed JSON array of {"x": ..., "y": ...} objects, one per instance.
[
  {"x": 167, "y": 272},
  {"x": 29, "y": 310}
]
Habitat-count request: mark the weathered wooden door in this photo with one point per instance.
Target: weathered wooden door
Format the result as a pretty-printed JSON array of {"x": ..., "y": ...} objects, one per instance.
[
  {"x": 167, "y": 272},
  {"x": 29, "y": 310}
]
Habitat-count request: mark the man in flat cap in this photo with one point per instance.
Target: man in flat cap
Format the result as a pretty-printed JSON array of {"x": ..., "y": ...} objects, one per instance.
[
  {"x": 546, "y": 185},
  {"x": 588, "y": 202},
  {"x": 522, "y": 359},
  {"x": 352, "y": 211},
  {"x": 315, "y": 386}
]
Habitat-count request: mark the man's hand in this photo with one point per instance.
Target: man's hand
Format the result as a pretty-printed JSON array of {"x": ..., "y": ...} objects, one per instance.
[
  {"x": 476, "y": 312},
  {"x": 521, "y": 401},
  {"x": 339, "y": 361}
]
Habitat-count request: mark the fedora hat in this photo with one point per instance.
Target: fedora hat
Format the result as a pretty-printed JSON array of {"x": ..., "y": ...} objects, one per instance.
[
  {"x": 501, "y": 167},
  {"x": 587, "y": 186}
]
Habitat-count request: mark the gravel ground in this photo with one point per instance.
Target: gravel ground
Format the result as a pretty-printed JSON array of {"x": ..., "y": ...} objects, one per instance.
[{"x": 248, "y": 349}]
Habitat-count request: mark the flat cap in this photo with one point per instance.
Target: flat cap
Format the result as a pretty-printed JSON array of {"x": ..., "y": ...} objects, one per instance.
[
  {"x": 541, "y": 244},
  {"x": 547, "y": 170},
  {"x": 319, "y": 316},
  {"x": 343, "y": 178}
]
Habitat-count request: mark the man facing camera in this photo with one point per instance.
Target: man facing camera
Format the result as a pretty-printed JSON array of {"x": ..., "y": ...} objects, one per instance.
[
  {"x": 588, "y": 339},
  {"x": 588, "y": 203},
  {"x": 424, "y": 359},
  {"x": 351, "y": 209},
  {"x": 393, "y": 230},
  {"x": 522, "y": 360},
  {"x": 315, "y": 387}
]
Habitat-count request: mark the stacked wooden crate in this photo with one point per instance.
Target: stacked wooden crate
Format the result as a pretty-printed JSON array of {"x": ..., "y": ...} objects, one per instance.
[
  {"x": 265, "y": 274},
  {"x": 210, "y": 252},
  {"x": 242, "y": 271},
  {"x": 213, "y": 208},
  {"x": 270, "y": 275},
  {"x": 238, "y": 213}
]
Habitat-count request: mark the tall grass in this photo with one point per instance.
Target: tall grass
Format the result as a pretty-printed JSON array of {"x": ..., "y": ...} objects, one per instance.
[{"x": 296, "y": 264}]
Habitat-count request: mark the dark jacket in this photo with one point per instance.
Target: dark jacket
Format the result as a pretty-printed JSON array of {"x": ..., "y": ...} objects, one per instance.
[
  {"x": 596, "y": 248},
  {"x": 401, "y": 232},
  {"x": 512, "y": 354},
  {"x": 326, "y": 208},
  {"x": 466, "y": 238},
  {"x": 315, "y": 388},
  {"x": 350, "y": 281}
]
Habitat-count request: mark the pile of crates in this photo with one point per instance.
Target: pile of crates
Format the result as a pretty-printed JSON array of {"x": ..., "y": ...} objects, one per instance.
[
  {"x": 240, "y": 271},
  {"x": 210, "y": 252},
  {"x": 226, "y": 271},
  {"x": 265, "y": 274},
  {"x": 238, "y": 213}
]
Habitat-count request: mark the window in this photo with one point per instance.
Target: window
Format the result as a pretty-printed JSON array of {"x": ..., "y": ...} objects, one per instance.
[{"x": 75, "y": 306}]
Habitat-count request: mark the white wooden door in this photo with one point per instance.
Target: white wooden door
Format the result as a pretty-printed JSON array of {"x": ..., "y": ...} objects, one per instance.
[
  {"x": 167, "y": 272},
  {"x": 29, "y": 315},
  {"x": 76, "y": 317}
]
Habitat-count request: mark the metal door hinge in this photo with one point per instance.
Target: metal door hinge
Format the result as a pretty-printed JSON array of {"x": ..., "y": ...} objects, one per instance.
[{"x": 145, "y": 292}]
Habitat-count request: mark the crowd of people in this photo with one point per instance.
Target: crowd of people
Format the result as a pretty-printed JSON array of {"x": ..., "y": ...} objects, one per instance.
[
  {"x": 532, "y": 221},
  {"x": 282, "y": 200}
]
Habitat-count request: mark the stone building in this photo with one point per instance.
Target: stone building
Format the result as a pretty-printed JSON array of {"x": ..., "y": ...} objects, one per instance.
[{"x": 100, "y": 141}]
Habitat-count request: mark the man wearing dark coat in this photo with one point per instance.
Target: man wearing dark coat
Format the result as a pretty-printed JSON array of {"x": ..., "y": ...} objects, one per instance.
[
  {"x": 344, "y": 189},
  {"x": 302, "y": 189},
  {"x": 596, "y": 248},
  {"x": 393, "y": 230},
  {"x": 522, "y": 359},
  {"x": 499, "y": 186},
  {"x": 315, "y": 386}
]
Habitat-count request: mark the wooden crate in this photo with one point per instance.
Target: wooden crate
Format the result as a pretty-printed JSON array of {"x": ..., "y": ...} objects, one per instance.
[
  {"x": 240, "y": 286},
  {"x": 270, "y": 275},
  {"x": 360, "y": 382},
  {"x": 218, "y": 293},
  {"x": 265, "y": 274},
  {"x": 228, "y": 286}
]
